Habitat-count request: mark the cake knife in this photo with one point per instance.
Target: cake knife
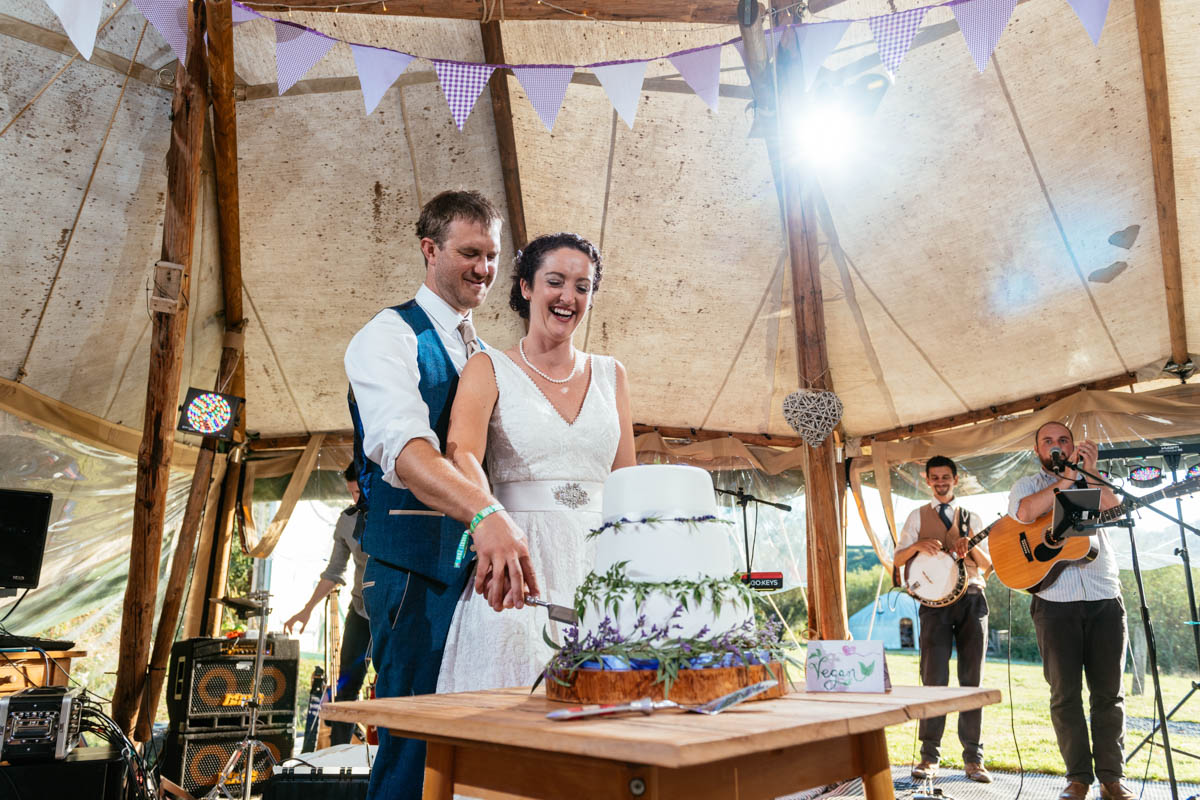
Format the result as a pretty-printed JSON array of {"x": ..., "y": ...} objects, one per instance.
[
  {"x": 557, "y": 613},
  {"x": 648, "y": 706}
]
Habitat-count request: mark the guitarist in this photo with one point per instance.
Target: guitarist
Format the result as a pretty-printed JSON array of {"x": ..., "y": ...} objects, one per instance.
[
  {"x": 1080, "y": 623},
  {"x": 929, "y": 529}
]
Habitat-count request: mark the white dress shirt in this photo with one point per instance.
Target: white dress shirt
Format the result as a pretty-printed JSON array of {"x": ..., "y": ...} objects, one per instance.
[
  {"x": 1081, "y": 580},
  {"x": 381, "y": 363},
  {"x": 912, "y": 529}
]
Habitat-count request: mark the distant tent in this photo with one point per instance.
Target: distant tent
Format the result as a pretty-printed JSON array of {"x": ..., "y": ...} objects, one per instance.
[{"x": 897, "y": 622}]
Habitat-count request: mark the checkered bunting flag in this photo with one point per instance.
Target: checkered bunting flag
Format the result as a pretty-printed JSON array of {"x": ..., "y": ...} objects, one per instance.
[
  {"x": 242, "y": 14},
  {"x": 982, "y": 22},
  {"x": 170, "y": 19},
  {"x": 461, "y": 84},
  {"x": 545, "y": 87},
  {"x": 297, "y": 50},
  {"x": 894, "y": 35}
]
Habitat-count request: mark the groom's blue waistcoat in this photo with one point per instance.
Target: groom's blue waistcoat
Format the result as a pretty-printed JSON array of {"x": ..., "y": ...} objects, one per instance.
[{"x": 421, "y": 543}]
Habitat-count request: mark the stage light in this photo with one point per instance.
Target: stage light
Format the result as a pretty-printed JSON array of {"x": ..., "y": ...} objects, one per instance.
[
  {"x": 825, "y": 135},
  {"x": 209, "y": 414},
  {"x": 1193, "y": 471},
  {"x": 1144, "y": 476}
]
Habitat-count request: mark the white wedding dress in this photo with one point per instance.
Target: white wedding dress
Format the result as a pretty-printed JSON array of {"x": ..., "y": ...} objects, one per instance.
[{"x": 548, "y": 474}]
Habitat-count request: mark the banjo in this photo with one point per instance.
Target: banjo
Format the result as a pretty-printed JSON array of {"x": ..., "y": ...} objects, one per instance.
[{"x": 940, "y": 579}]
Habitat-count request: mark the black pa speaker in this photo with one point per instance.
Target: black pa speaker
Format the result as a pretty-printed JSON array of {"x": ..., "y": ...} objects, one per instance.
[
  {"x": 209, "y": 683},
  {"x": 195, "y": 760},
  {"x": 87, "y": 773}
]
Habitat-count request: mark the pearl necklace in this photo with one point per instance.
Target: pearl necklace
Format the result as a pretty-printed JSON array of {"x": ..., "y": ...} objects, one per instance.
[{"x": 525, "y": 358}]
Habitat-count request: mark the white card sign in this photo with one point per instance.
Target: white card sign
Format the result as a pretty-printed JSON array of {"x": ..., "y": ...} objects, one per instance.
[{"x": 846, "y": 666}]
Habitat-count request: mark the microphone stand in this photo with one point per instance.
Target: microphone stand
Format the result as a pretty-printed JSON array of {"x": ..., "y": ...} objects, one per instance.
[
  {"x": 1151, "y": 648},
  {"x": 742, "y": 499}
]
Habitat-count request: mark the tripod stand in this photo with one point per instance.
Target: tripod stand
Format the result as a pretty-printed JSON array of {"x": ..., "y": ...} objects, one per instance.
[
  {"x": 254, "y": 605},
  {"x": 742, "y": 499}
]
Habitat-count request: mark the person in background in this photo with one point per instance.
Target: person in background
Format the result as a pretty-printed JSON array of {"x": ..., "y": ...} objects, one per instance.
[{"x": 356, "y": 633}]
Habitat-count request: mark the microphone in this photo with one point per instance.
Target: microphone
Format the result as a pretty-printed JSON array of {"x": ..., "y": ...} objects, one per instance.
[{"x": 1058, "y": 461}]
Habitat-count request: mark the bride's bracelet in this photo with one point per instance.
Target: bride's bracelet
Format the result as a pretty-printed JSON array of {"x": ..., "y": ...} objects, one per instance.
[{"x": 487, "y": 511}]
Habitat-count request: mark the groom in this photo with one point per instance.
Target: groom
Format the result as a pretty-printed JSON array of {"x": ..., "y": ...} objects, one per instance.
[{"x": 403, "y": 368}]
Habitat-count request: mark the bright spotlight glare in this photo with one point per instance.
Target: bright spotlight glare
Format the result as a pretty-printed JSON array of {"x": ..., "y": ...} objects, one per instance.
[{"x": 827, "y": 136}]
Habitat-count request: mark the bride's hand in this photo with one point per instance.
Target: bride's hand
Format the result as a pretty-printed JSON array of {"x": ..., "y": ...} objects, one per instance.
[{"x": 504, "y": 573}]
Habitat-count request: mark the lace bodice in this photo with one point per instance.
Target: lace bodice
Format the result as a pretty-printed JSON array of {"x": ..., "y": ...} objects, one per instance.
[{"x": 528, "y": 440}]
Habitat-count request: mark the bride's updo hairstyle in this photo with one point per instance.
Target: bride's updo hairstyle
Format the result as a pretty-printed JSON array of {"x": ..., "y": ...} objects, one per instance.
[{"x": 529, "y": 261}]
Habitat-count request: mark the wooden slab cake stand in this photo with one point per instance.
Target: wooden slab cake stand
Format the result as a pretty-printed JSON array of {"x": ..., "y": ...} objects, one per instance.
[{"x": 690, "y": 687}]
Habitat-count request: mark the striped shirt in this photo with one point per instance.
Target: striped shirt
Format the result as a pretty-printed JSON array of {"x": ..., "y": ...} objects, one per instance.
[{"x": 1081, "y": 580}]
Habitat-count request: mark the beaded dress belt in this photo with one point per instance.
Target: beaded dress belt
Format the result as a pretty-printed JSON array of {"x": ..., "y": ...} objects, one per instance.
[{"x": 550, "y": 495}]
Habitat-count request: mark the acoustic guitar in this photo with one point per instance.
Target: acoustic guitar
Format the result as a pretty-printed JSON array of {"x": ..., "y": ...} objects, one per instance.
[{"x": 1026, "y": 556}]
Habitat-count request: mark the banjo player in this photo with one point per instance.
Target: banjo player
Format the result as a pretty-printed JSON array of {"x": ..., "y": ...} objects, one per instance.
[{"x": 962, "y": 624}]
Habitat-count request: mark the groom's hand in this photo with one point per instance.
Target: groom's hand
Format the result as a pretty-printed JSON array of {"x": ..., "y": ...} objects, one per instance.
[{"x": 504, "y": 573}]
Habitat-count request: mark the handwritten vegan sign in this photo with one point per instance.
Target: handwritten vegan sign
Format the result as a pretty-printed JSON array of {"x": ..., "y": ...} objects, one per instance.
[{"x": 841, "y": 666}]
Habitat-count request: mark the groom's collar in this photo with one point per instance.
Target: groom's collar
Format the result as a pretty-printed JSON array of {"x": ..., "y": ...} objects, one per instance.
[{"x": 441, "y": 312}]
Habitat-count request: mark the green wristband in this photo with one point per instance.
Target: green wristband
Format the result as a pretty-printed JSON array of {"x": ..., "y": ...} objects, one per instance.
[{"x": 486, "y": 512}]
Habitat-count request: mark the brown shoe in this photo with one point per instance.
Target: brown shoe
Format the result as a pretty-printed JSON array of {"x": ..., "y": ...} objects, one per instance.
[
  {"x": 1076, "y": 790},
  {"x": 1115, "y": 791},
  {"x": 977, "y": 773},
  {"x": 926, "y": 769}
]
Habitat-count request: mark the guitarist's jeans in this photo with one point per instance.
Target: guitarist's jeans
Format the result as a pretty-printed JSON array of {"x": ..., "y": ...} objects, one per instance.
[
  {"x": 1077, "y": 639},
  {"x": 962, "y": 625}
]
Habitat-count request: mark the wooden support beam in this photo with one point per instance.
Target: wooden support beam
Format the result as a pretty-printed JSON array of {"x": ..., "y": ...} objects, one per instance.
[
  {"x": 826, "y": 551},
  {"x": 59, "y": 43},
  {"x": 1033, "y": 403},
  {"x": 709, "y": 11},
  {"x": 506, "y": 140},
  {"x": 189, "y": 108},
  {"x": 300, "y": 440},
  {"x": 1158, "y": 115},
  {"x": 220, "y": 56},
  {"x": 181, "y": 562},
  {"x": 218, "y": 572},
  {"x": 704, "y": 435}
]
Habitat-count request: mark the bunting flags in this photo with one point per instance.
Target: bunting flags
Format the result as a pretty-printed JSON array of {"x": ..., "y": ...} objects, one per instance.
[
  {"x": 623, "y": 85},
  {"x": 702, "y": 71},
  {"x": 1092, "y": 14},
  {"x": 170, "y": 19},
  {"x": 297, "y": 50},
  {"x": 242, "y": 14},
  {"x": 461, "y": 84},
  {"x": 981, "y": 23},
  {"x": 545, "y": 87},
  {"x": 773, "y": 36},
  {"x": 377, "y": 69},
  {"x": 816, "y": 43},
  {"x": 81, "y": 20},
  {"x": 894, "y": 35}
]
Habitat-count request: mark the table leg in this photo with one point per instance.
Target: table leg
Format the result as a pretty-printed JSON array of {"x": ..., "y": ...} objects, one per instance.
[
  {"x": 877, "y": 769},
  {"x": 439, "y": 772}
]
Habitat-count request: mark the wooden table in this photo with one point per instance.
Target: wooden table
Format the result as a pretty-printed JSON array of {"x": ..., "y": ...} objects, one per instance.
[
  {"x": 501, "y": 743},
  {"x": 21, "y": 669}
]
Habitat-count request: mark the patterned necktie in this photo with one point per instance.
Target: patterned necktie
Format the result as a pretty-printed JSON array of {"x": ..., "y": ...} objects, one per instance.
[
  {"x": 944, "y": 512},
  {"x": 467, "y": 331}
]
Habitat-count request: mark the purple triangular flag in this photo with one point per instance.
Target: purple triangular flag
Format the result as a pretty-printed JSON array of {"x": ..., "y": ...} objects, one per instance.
[
  {"x": 461, "y": 84},
  {"x": 773, "y": 36},
  {"x": 297, "y": 50},
  {"x": 378, "y": 69},
  {"x": 982, "y": 22},
  {"x": 545, "y": 87},
  {"x": 623, "y": 85},
  {"x": 81, "y": 20},
  {"x": 242, "y": 14},
  {"x": 817, "y": 41},
  {"x": 1092, "y": 14},
  {"x": 894, "y": 34},
  {"x": 702, "y": 71},
  {"x": 170, "y": 19}
]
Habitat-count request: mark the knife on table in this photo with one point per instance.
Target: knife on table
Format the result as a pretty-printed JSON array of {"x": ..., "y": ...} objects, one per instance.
[{"x": 564, "y": 614}]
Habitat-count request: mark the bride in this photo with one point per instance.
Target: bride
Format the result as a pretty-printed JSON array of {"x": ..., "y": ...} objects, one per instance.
[{"x": 552, "y": 422}]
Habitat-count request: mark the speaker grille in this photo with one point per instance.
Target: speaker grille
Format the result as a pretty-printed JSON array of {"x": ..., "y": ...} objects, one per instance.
[
  {"x": 221, "y": 688},
  {"x": 196, "y": 760}
]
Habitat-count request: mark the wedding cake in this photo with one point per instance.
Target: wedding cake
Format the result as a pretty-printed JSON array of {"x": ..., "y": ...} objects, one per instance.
[{"x": 663, "y": 605}]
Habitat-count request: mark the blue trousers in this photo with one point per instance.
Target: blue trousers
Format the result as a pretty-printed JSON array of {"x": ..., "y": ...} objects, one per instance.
[{"x": 410, "y": 617}]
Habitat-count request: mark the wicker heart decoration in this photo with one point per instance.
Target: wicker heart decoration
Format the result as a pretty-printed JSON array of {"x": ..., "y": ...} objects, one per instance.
[{"x": 812, "y": 414}]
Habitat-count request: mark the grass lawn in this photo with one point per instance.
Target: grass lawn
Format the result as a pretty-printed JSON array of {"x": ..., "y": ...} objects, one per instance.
[{"x": 1030, "y": 715}]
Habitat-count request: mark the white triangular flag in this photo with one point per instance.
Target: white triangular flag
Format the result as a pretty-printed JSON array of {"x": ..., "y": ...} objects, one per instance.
[
  {"x": 623, "y": 85},
  {"x": 81, "y": 20},
  {"x": 816, "y": 42},
  {"x": 378, "y": 69},
  {"x": 702, "y": 71}
]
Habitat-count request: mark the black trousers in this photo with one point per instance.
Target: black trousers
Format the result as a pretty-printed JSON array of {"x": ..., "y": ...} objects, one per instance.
[
  {"x": 962, "y": 626},
  {"x": 352, "y": 670},
  {"x": 1077, "y": 640}
]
